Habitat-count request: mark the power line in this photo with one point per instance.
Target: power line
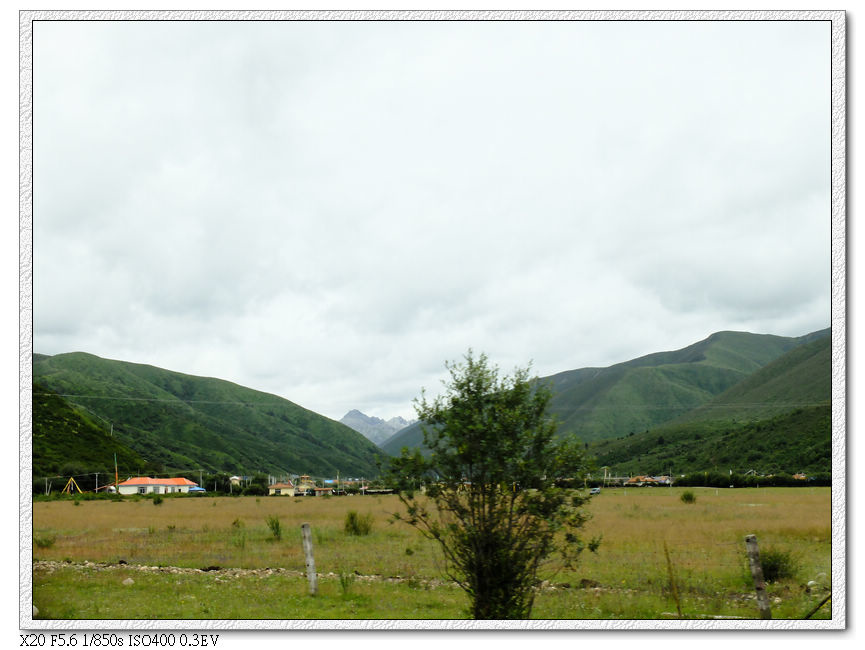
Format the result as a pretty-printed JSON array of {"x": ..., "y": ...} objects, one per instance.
[{"x": 157, "y": 399}]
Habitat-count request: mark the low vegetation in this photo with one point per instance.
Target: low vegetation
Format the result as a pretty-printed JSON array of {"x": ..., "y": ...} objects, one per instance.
[
  {"x": 356, "y": 524},
  {"x": 778, "y": 564},
  {"x": 275, "y": 527},
  {"x": 688, "y": 496}
]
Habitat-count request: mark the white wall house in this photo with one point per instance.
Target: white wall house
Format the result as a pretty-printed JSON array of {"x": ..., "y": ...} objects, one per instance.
[
  {"x": 145, "y": 485},
  {"x": 285, "y": 489}
]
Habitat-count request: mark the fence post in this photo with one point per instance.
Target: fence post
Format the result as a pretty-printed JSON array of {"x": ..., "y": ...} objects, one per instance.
[
  {"x": 310, "y": 560},
  {"x": 757, "y": 574}
]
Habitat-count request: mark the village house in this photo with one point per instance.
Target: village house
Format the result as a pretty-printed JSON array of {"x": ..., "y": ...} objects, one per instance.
[
  {"x": 145, "y": 485},
  {"x": 285, "y": 489},
  {"x": 648, "y": 481},
  {"x": 305, "y": 485}
]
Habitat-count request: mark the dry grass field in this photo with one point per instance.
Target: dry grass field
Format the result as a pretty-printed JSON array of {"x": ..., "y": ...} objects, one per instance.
[{"x": 628, "y": 577}]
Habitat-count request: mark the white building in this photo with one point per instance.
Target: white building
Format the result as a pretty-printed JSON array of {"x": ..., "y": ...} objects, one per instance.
[{"x": 145, "y": 485}]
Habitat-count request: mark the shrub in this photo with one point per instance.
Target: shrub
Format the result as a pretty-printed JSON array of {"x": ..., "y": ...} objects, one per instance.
[
  {"x": 778, "y": 564},
  {"x": 275, "y": 526},
  {"x": 356, "y": 524},
  {"x": 346, "y": 580},
  {"x": 43, "y": 540},
  {"x": 157, "y": 499},
  {"x": 688, "y": 497}
]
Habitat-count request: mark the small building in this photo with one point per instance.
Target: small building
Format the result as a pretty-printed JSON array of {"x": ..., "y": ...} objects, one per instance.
[
  {"x": 322, "y": 491},
  {"x": 285, "y": 489},
  {"x": 145, "y": 485}
]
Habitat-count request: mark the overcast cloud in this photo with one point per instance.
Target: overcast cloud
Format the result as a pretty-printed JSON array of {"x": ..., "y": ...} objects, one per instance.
[{"x": 330, "y": 210}]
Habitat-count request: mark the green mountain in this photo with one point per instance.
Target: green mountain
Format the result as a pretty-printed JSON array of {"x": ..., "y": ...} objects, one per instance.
[
  {"x": 778, "y": 419},
  {"x": 641, "y": 394},
  {"x": 69, "y": 441},
  {"x": 182, "y": 422},
  {"x": 800, "y": 378}
]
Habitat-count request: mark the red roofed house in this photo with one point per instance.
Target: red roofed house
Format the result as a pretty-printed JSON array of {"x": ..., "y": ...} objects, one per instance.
[
  {"x": 281, "y": 489},
  {"x": 145, "y": 485}
]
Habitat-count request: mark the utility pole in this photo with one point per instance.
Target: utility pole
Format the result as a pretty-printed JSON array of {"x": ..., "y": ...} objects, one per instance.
[{"x": 97, "y": 482}]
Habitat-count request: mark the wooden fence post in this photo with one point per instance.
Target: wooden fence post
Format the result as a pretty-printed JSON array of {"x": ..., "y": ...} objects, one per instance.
[
  {"x": 310, "y": 560},
  {"x": 757, "y": 574}
]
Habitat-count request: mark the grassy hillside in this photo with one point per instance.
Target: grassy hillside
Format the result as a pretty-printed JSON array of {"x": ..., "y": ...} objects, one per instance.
[
  {"x": 802, "y": 377},
  {"x": 796, "y": 441},
  {"x": 644, "y": 393},
  {"x": 178, "y": 421},
  {"x": 69, "y": 441},
  {"x": 778, "y": 418}
]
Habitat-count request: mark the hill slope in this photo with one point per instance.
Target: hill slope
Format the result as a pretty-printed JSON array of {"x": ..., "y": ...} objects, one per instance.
[
  {"x": 800, "y": 378},
  {"x": 179, "y": 421},
  {"x": 777, "y": 419},
  {"x": 643, "y": 393},
  {"x": 69, "y": 441}
]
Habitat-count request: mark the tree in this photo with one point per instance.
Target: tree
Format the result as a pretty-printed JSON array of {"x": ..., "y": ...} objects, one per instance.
[{"x": 490, "y": 497}]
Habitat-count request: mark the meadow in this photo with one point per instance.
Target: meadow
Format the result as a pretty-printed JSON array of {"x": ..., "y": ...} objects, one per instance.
[{"x": 241, "y": 558}]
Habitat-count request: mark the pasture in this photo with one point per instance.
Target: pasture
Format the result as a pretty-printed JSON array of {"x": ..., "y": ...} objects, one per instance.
[{"x": 221, "y": 558}]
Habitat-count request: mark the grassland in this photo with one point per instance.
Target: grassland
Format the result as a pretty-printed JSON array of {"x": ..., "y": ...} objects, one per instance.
[{"x": 217, "y": 558}]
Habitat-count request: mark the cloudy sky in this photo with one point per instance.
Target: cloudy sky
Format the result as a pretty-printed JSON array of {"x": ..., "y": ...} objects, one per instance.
[{"x": 329, "y": 211}]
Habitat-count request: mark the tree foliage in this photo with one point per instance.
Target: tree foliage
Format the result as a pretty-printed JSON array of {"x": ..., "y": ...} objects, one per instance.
[{"x": 489, "y": 494}]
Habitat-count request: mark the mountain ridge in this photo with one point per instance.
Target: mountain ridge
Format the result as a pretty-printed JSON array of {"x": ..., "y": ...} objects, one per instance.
[
  {"x": 170, "y": 417},
  {"x": 778, "y": 419},
  {"x": 374, "y": 428},
  {"x": 643, "y": 393}
]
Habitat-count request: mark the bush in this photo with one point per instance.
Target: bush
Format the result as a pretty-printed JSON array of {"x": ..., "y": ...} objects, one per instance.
[
  {"x": 157, "y": 499},
  {"x": 778, "y": 564},
  {"x": 688, "y": 497},
  {"x": 275, "y": 526},
  {"x": 356, "y": 524},
  {"x": 44, "y": 540}
]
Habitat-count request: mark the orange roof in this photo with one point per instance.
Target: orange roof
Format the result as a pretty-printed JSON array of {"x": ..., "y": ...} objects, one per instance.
[
  {"x": 281, "y": 485},
  {"x": 144, "y": 480}
]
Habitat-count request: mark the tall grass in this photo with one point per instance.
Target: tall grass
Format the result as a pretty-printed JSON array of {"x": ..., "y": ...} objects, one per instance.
[
  {"x": 356, "y": 524},
  {"x": 275, "y": 527}
]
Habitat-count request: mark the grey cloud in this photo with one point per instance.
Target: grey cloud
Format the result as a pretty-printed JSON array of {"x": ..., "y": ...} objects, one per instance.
[{"x": 329, "y": 211}]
